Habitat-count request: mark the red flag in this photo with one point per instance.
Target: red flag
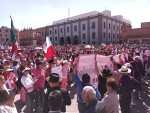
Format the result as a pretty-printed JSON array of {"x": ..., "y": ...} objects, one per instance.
[{"x": 48, "y": 49}]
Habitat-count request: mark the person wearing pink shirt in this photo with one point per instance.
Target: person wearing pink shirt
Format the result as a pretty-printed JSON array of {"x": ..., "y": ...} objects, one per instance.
[{"x": 39, "y": 78}]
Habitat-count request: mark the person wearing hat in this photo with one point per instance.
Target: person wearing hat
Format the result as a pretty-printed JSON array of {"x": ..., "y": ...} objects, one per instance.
[
  {"x": 28, "y": 84},
  {"x": 54, "y": 84},
  {"x": 126, "y": 85},
  {"x": 10, "y": 80}
]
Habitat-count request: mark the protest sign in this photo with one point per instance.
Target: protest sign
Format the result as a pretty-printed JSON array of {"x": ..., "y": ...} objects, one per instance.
[
  {"x": 87, "y": 64},
  {"x": 103, "y": 61}
]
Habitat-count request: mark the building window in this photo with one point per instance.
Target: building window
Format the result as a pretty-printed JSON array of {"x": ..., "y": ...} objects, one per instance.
[
  {"x": 61, "y": 30},
  {"x": 93, "y": 25},
  {"x": 55, "y": 38},
  {"x": 50, "y": 32},
  {"x": 93, "y": 35},
  {"x": 6, "y": 30},
  {"x": 42, "y": 34},
  {"x": 83, "y": 36},
  {"x": 50, "y": 38},
  {"x": 109, "y": 25},
  {"x": 55, "y": 31},
  {"x": 67, "y": 29},
  {"x": 93, "y": 42},
  {"x": 113, "y": 35},
  {"x": 83, "y": 26},
  {"x": 104, "y": 25},
  {"x": 117, "y": 28},
  {"x": 109, "y": 35},
  {"x": 114, "y": 27},
  {"x": 75, "y": 28},
  {"x": 104, "y": 35}
]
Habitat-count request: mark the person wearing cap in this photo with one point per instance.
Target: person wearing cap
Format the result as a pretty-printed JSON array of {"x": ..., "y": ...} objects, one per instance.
[
  {"x": 54, "y": 84},
  {"x": 126, "y": 86},
  {"x": 28, "y": 84}
]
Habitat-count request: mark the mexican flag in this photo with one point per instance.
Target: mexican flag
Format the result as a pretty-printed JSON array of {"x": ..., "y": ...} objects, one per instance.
[
  {"x": 48, "y": 49},
  {"x": 13, "y": 40}
]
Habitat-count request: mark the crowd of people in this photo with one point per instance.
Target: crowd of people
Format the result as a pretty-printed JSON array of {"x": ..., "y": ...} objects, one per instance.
[{"x": 29, "y": 83}]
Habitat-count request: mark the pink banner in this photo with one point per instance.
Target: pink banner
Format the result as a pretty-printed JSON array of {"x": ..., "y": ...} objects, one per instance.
[
  {"x": 103, "y": 61},
  {"x": 120, "y": 58},
  {"x": 86, "y": 64}
]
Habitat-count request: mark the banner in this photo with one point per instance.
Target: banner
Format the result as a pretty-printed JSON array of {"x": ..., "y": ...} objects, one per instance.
[
  {"x": 120, "y": 58},
  {"x": 103, "y": 61},
  {"x": 87, "y": 64}
]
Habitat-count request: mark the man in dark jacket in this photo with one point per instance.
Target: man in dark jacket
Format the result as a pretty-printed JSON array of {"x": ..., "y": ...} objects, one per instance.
[
  {"x": 126, "y": 85},
  {"x": 54, "y": 84}
]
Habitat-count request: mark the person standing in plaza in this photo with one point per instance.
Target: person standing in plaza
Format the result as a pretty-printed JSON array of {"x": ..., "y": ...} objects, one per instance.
[
  {"x": 54, "y": 84},
  {"x": 28, "y": 84},
  {"x": 80, "y": 85},
  {"x": 56, "y": 101},
  {"x": 110, "y": 102},
  {"x": 39, "y": 78},
  {"x": 126, "y": 86},
  {"x": 89, "y": 99}
]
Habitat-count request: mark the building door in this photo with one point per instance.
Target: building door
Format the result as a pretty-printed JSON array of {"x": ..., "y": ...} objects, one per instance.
[
  {"x": 76, "y": 40},
  {"x": 61, "y": 42}
]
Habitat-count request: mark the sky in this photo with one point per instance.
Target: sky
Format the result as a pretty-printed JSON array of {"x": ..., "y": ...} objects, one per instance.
[{"x": 39, "y": 13}]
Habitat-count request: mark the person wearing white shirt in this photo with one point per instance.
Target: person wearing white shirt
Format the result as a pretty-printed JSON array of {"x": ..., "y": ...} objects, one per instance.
[{"x": 28, "y": 83}]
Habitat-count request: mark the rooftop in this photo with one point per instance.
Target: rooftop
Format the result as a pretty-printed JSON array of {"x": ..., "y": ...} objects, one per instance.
[{"x": 90, "y": 14}]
